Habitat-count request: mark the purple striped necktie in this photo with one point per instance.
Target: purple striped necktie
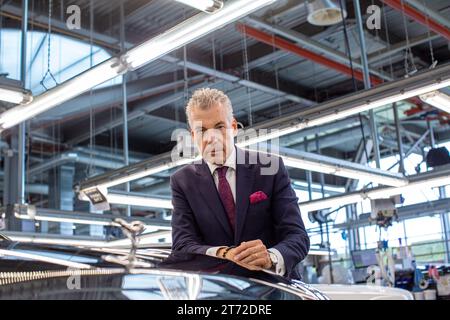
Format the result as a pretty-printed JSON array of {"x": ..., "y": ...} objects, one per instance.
[{"x": 226, "y": 196}]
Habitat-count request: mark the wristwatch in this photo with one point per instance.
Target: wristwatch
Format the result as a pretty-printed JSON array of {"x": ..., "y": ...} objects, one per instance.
[{"x": 273, "y": 257}]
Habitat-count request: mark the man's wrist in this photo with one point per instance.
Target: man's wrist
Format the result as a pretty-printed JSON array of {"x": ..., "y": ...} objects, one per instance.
[
  {"x": 273, "y": 260},
  {"x": 223, "y": 252}
]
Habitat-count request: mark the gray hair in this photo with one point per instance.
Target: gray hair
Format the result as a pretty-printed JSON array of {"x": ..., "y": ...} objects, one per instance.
[{"x": 205, "y": 98}]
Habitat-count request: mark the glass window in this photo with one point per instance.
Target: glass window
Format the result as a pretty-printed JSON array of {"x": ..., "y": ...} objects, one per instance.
[
  {"x": 423, "y": 229},
  {"x": 68, "y": 58}
]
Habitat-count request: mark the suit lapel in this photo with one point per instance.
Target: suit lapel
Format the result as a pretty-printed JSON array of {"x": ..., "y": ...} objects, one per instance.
[
  {"x": 208, "y": 191},
  {"x": 244, "y": 184}
]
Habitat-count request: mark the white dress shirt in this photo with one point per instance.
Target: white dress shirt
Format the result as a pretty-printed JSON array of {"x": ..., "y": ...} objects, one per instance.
[{"x": 231, "y": 178}]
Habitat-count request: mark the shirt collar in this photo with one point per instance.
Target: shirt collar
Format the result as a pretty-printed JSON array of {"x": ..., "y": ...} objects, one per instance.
[{"x": 230, "y": 162}]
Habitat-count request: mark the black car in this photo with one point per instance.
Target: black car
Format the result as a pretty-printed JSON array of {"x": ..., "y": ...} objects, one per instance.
[{"x": 39, "y": 271}]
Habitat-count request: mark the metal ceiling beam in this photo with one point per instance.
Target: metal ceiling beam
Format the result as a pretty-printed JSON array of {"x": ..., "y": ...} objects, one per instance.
[
  {"x": 433, "y": 14},
  {"x": 308, "y": 42},
  {"x": 235, "y": 79},
  {"x": 401, "y": 46},
  {"x": 419, "y": 17},
  {"x": 362, "y": 156},
  {"x": 298, "y": 138},
  {"x": 334, "y": 139},
  {"x": 282, "y": 44},
  {"x": 76, "y": 156}
]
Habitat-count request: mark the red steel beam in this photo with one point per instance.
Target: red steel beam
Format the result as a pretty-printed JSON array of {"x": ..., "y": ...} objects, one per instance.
[
  {"x": 282, "y": 44},
  {"x": 418, "y": 17}
]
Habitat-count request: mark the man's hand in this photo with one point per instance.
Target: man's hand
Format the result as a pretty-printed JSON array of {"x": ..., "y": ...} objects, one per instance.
[
  {"x": 253, "y": 254},
  {"x": 229, "y": 254}
]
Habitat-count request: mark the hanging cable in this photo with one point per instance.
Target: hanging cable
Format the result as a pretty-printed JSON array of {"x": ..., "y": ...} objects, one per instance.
[
  {"x": 247, "y": 77},
  {"x": 377, "y": 37},
  {"x": 388, "y": 40},
  {"x": 185, "y": 76},
  {"x": 427, "y": 17},
  {"x": 408, "y": 46},
  {"x": 90, "y": 167},
  {"x": 275, "y": 65},
  {"x": 49, "y": 45},
  {"x": 355, "y": 88},
  {"x": 214, "y": 56},
  {"x": 1, "y": 26}
]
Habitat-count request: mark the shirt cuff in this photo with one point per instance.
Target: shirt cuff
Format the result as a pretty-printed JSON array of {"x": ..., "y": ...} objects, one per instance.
[
  {"x": 213, "y": 251},
  {"x": 279, "y": 267}
]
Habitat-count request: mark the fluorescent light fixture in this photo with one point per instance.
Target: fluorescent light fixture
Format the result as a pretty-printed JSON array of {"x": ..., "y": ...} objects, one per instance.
[
  {"x": 149, "y": 171},
  {"x": 190, "y": 30},
  {"x": 416, "y": 183},
  {"x": 327, "y": 165},
  {"x": 39, "y": 239},
  {"x": 63, "y": 219},
  {"x": 209, "y": 6},
  {"x": 15, "y": 96},
  {"x": 67, "y": 90},
  {"x": 438, "y": 100},
  {"x": 357, "y": 174},
  {"x": 34, "y": 214},
  {"x": 330, "y": 202},
  {"x": 139, "y": 201},
  {"x": 338, "y": 114}
]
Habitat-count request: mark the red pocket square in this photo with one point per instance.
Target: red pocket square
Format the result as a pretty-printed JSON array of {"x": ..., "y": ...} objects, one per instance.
[{"x": 257, "y": 197}]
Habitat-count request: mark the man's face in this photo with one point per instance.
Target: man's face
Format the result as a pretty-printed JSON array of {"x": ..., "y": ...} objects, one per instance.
[{"x": 213, "y": 133}]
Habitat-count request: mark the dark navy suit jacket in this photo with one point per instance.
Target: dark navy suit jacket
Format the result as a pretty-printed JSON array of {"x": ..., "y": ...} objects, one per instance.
[{"x": 199, "y": 220}]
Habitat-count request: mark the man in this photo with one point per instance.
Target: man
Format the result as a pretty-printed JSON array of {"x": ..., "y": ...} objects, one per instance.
[{"x": 225, "y": 206}]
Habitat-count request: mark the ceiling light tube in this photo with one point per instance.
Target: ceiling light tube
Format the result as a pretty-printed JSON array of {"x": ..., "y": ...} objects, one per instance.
[
  {"x": 149, "y": 171},
  {"x": 43, "y": 215},
  {"x": 15, "y": 96},
  {"x": 69, "y": 89},
  {"x": 438, "y": 100},
  {"x": 68, "y": 220},
  {"x": 139, "y": 201},
  {"x": 365, "y": 174},
  {"x": 209, "y": 6},
  {"x": 190, "y": 30},
  {"x": 420, "y": 181}
]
